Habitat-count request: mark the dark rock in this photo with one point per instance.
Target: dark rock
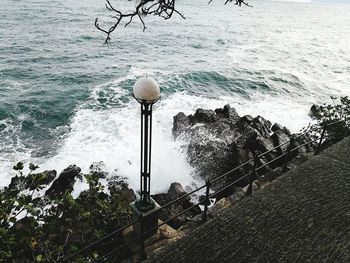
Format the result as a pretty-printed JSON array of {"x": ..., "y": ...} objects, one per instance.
[
  {"x": 279, "y": 137},
  {"x": 232, "y": 113},
  {"x": 279, "y": 127},
  {"x": 181, "y": 122},
  {"x": 314, "y": 111},
  {"x": 17, "y": 184},
  {"x": 262, "y": 126},
  {"x": 161, "y": 199},
  {"x": 213, "y": 158},
  {"x": 204, "y": 116},
  {"x": 256, "y": 143},
  {"x": 247, "y": 119},
  {"x": 65, "y": 181},
  {"x": 175, "y": 191},
  {"x": 172, "y": 210},
  {"x": 50, "y": 175},
  {"x": 127, "y": 194},
  {"x": 223, "y": 112},
  {"x": 301, "y": 140},
  {"x": 287, "y": 131},
  {"x": 276, "y": 127},
  {"x": 227, "y": 112},
  {"x": 224, "y": 140}
]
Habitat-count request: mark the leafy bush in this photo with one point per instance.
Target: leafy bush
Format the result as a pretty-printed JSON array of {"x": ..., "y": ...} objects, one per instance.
[
  {"x": 335, "y": 117},
  {"x": 35, "y": 227}
]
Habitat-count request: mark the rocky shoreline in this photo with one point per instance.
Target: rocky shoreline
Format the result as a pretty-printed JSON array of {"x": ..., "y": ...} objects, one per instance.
[{"x": 218, "y": 141}]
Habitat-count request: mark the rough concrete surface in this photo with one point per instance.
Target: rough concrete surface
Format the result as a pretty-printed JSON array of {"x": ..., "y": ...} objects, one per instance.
[{"x": 304, "y": 216}]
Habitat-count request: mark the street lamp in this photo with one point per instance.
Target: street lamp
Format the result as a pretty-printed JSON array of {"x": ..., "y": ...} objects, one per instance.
[{"x": 146, "y": 92}]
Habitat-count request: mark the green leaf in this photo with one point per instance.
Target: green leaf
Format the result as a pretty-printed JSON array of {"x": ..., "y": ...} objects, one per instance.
[
  {"x": 33, "y": 167},
  {"x": 18, "y": 166}
]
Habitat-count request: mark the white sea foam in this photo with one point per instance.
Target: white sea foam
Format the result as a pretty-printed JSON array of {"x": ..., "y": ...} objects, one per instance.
[
  {"x": 113, "y": 136},
  {"x": 254, "y": 44}
]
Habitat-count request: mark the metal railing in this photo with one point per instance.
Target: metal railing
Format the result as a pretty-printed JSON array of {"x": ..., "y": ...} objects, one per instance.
[{"x": 141, "y": 238}]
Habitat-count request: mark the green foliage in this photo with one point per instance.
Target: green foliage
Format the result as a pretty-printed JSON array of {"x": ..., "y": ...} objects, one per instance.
[
  {"x": 36, "y": 228},
  {"x": 335, "y": 117}
]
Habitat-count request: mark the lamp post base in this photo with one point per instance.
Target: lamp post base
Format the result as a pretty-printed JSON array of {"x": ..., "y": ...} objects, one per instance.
[
  {"x": 150, "y": 217},
  {"x": 145, "y": 205}
]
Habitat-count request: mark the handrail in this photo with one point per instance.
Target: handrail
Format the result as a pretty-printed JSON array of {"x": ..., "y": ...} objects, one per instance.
[
  {"x": 285, "y": 154},
  {"x": 142, "y": 236},
  {"x": 252, "y": 159},
  {"x": 182, "y": 197},
  {"x": 171, "y": 218},
  {"x": 116, "y": 249},
  {"x": 282, "y": 144},
  {"x": 229, "y": 185},
  {"x": 231, "y": 171},
  {"x": 335, "y": 122},
  {"x": 99, "y": 241}
]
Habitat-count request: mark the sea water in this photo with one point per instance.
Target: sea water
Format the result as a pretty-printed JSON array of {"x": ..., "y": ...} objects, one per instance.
[{"x": 65, "y": 97}]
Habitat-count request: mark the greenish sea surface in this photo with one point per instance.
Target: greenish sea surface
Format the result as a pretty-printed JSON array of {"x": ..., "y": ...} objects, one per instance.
[{"x": 65, "y": 96}]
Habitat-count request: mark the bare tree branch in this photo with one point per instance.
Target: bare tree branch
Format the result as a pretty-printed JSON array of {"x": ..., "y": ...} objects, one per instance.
[{"x": 162, "y": 8}]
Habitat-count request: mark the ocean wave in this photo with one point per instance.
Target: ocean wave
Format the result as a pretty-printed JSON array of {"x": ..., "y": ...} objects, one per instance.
[{"x": 65, "y": 97}]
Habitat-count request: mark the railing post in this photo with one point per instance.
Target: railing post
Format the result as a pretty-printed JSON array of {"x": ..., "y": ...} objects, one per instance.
[
  {"x": 321, "y": 139},
  {"x": 142, "y": 237},
  {"x": 207, "y": 201},
  {"x": 286, "y": 158}
]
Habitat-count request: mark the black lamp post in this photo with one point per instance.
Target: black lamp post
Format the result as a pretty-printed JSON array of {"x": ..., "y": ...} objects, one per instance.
[{"x": 146, "y": 92}]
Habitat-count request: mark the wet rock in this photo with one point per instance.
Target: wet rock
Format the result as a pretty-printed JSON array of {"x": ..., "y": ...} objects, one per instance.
[
  {"x": 50, "y": 175},
  {"x": 280, "y": 137},
  {"x": 262, "y": 126},
  {"x": 181, "y": 122},
  {"x": 65, "y": 181},
  {"x": 127, "y": 194},
  {"x": 276, "y": 127},
  {"x": 172, "y": 210},
  {"x": 165, "y": 214},
  {"x": 279, "y": 127},
  {"x": 287, "y": 131},
  {"x": 223, "y": 112},
  {"x": 175, "y": 191},
  {"x": 247, "y": 119},
  {"x": 219, "y": 141},
  {"x": 204, "y": 116},
  {"x": 213, "y": 158},
  {"x": 314, "y": 111},
  {"x": 258, "y": 144},
  {"x": 303, "y": 140},
  {"x": 227, "y": 112}
]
